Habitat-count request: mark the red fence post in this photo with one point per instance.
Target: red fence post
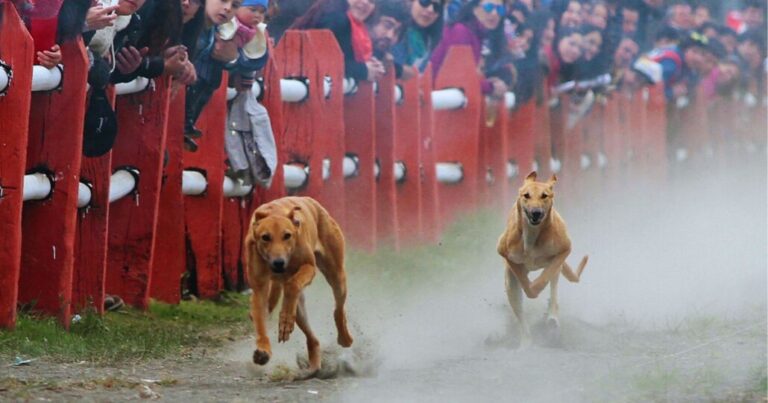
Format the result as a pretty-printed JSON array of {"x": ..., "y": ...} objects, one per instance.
[
  {"x": 386, "y": 128},
  {"x": 457, "y": 132},
  {"x": 142, "y": 123},
  {"x": 408, "y": 151},
  {"x": 494, "y": 137},
  {"x": 16, "y": 50},
  {"x": 55, "y": 146},
  {"x": 169, "y": 257},
  {"x": 360, "y": 190},
  {"x": 202, "y": 214},
  {"x": 430, "y": 210},
  {"x": 329, "y": 123},
  {"x": 89, "y": 275}
]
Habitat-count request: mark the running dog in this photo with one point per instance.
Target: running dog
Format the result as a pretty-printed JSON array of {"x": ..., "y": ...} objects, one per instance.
[
  {"x": 535, "y": 238},
  {"x": 287, "y": 241}
]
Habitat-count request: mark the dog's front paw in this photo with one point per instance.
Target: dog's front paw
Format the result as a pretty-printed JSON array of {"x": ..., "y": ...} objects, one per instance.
[
  {"x": 260, "y": 357},
  {"x": 287, "y": 323}
]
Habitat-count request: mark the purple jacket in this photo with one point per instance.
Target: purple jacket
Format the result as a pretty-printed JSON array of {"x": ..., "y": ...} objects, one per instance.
[{"x": 460, "y": 34}]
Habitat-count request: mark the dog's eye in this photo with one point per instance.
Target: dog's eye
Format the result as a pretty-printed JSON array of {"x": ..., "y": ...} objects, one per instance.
[
  {"x": 544, "y": 196},
  {"x": 266, "y": 238},
  {"x": 527, "y": 195},
  {"x": 287, "y": 236}
]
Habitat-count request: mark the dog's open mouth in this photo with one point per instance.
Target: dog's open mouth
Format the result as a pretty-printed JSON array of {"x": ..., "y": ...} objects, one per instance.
[{"x": 534, "y": 218}]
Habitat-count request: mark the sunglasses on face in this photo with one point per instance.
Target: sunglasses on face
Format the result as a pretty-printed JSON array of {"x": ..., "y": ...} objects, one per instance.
[
  {"x": 437, "y": 6},
  {"x": 490, "y": 7}
]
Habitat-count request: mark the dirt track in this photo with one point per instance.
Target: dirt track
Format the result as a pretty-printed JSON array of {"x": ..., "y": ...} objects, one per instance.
[{"x": 672, "y": 308}]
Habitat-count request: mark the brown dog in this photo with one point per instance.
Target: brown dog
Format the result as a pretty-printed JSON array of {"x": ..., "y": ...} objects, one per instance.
[
  {"x": 287, "y": 240},
  {"x": 535, "y": 238}
]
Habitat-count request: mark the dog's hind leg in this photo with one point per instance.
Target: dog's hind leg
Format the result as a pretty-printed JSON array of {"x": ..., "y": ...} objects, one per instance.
[
  {"x": 313, "y": 345},
  {"x": 332, "y": 268},
  {"x": 568, "y": 271},
  {"x": 515, "y": 297}
]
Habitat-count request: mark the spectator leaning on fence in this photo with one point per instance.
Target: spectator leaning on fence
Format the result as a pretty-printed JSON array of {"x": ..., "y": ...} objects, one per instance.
[
  {"x": 347, "y": 19},
  {"x": 479, "y": 25},
  {"x": 385, "y": 28},
  {"x": 212, "y": 55},
  {"x": 422, "y": 34}
]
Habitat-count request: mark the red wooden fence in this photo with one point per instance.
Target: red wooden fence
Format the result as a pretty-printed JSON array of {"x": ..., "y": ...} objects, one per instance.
[{"x": 55, "y": 254}]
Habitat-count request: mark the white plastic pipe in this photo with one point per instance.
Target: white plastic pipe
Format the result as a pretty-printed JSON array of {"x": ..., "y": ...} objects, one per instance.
[
  {"x": 585, "y": 161},
  {"x": 349, "y": 86},
  {"x": 535, "y": 165},
  {"x": 193, "y": 183},
  {"x": 449, "y": 98},
  {"x": 122, "y": 183},
  {"x": 350, "y": 166},
  {"x": 46, "y": 79},
  {"x": 398, "y": 94},
  {"x": 231, "y": 93},
  {"x": 602, "y": 160},
  {"x": 489, "y": 178},
  {"x": 4, "y": 80},
  {"x": 293, "y": 90},
  {"x": 326, "y": 169},
  {"x": 137, "y": 85},
  {"x": 449, "y": 172},
  {"x": 512, "y": 170},
  {"x": 555, "y": 165},
  {"x": 84, "y": 195},
  {"x": 327, "y": 84},
  {"x": 296, "y": 176},
  {"x": 510, "y": 100},
  {"x": 234, "y": 188},
  {"x": 376, "y": 169},
  {"x": 400, "y": 170},
  {"x": 37, "y": 186}
]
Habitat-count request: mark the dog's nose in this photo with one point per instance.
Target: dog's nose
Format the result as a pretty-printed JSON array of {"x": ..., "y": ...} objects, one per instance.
[
  {"x": 537, "y": 215},
  {"x": 278, "y": 264}
]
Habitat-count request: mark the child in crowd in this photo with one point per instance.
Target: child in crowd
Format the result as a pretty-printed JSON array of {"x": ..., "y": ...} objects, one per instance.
[
  {"x": 213, "y": 53},
  {"x": 249, "y": 140}
]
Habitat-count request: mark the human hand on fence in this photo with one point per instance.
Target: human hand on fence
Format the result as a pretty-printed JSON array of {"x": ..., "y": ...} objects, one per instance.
[
  {"x": 499, "y": 87},
  {"x": 49, "y": 58},
  {"x": 128, "y": 59},
  {"x": 189, "y": 75},
  {"x": 99, "y": 17},
  {"x": 224, "y": 51},
  {"x": 376, "y": 69},
  {"x": 175, "y": 58}
]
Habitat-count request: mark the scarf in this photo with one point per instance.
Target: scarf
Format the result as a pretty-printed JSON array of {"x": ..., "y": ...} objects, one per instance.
[{"x": 361, "y": 42}]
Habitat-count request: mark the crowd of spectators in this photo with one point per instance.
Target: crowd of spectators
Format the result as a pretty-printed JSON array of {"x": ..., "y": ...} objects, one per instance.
[{"x": 533, "y": 48}]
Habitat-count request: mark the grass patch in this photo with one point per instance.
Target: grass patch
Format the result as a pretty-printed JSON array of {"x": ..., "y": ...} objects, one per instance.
[
  {"x": 470, "y": 239},
  {"x": 129, "y": 334}
]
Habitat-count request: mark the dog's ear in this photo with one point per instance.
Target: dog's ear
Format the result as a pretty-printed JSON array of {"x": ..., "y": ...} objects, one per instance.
[
  {"x": 531, "y": 177},
  {"x": 257, "y": 216},
  {"x": 552, "y": 180},
  {"x": 295, "y": 216}
]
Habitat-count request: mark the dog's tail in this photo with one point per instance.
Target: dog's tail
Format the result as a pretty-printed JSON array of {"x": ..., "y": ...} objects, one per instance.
[{"x": 570, "y": 275}]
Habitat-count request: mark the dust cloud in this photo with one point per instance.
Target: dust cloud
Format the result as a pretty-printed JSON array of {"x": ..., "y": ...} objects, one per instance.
[{"x": 672, "y": 305}]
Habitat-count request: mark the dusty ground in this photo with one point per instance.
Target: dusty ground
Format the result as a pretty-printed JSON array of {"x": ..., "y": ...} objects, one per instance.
[{"x": 672, "y": 308}]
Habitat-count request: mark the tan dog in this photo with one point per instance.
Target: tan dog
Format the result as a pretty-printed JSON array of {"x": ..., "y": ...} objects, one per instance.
[
  {"x": 535, "y": 238},
  {"x": 287, "y": 240}
]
